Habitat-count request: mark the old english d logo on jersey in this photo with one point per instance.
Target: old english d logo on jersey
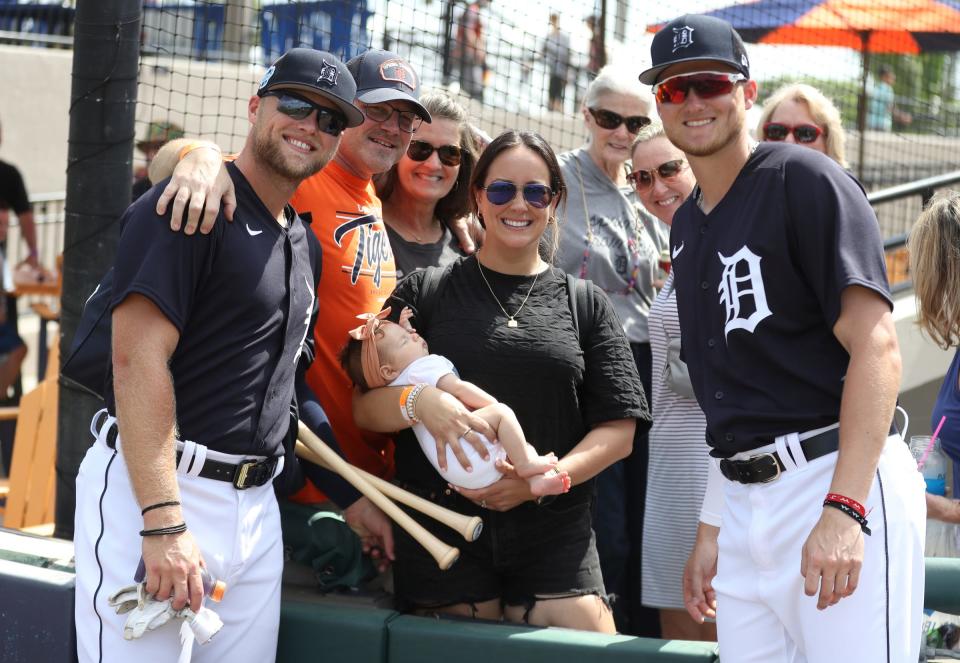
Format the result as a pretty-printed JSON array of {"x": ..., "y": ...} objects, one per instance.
[
  {"x": 741, "y": 291},
  {"x": 398, "y": 71},
  {"x": 682, "y": 37},
  {"x": 373, "y": 247}
]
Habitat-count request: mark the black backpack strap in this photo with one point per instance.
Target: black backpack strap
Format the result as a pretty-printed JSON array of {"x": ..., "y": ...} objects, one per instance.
[
  {"x": 580, "y": 295},
  {"x": 429, "y": 287}
]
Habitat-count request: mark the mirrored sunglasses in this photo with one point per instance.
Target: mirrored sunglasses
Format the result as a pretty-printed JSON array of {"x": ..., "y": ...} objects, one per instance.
[
  {"x": 802, "y": 133},
  {"x": 296, "y": 107},
  {"x": 609, "y": 120},
  {"x": 420, "y": 150},
  {"x": 707, "y": 85},
  {"x": 643, "y": 179},
  {"x": 409, "y": 121},
  {"x": 501, "y": 192}
]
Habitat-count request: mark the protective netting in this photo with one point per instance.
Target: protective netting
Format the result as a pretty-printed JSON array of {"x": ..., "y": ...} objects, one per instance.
[{"x": 201, "y": 60}]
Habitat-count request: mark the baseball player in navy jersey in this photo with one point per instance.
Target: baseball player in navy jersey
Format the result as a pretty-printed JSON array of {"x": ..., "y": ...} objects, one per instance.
[
  {"x": 810, "y": 546},
  {"x": 209, "y": 334}
]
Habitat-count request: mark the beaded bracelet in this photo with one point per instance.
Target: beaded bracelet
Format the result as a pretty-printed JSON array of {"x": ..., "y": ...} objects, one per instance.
[
  {"x": 849, "y": 501},
  {"x": 404, "y": 395},
  {"x": 850, "y": 511},
  {"x": 411, "y": 402},
  {"x": 159, "y": 505},
  {"x": 196, "y": 145},
  {"x": 163, "y": 531}
]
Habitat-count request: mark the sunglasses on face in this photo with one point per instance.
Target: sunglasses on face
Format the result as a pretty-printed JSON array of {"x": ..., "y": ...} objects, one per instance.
[
  {"x": 802, "y": 133},
  {"x": 408, "y": 121},
  {"x": 420, "y": 150},
  {"x": 501, "y": 192},
  {"x": 643, "y": 179},
  {"x": 707, "y": 85},
  {"x": 296, "y": 107},
  {"x": 609, "y": 120}
]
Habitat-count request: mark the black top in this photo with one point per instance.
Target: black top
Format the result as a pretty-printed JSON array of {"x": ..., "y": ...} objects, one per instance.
[
  {"x": 758, "y": 285},
  {"x": 557, "y": 390},
  {"x": 13, "y": 194},
  {"x": 243, "y": 316}
]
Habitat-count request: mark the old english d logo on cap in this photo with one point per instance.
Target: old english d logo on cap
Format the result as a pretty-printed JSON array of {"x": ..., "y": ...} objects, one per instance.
[
  {"x": 328, "y": 74},
  {"x": 266, "y": 77},
  {"x": 682, "y": 38},
  {"x": 398, "y": 71}
]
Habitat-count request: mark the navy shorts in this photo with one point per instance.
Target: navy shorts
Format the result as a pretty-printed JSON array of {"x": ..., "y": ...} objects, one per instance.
[{"x": 524, "y": 555}]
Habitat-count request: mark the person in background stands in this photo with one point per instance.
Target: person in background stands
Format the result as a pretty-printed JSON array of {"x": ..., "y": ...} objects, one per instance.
[
  {"x": 802, "y": 114},
  {"x": 158, "y": 135}
]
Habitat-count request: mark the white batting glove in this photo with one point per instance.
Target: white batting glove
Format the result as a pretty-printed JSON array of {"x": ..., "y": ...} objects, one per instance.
[{"x": 145, "y": 613}]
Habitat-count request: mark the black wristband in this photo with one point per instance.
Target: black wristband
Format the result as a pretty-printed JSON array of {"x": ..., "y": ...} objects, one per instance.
[
  {"x": 159, "y": 505},
  {"x": 163, "y": 531},
  {"x": 850, "y": 511}
]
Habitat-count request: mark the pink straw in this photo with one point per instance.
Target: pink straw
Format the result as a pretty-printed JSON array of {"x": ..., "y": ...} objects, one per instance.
[{"x": 933, "y": 438}]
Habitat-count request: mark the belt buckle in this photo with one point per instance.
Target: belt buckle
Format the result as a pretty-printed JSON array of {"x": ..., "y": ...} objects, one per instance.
[
  {"x": 240, "y": 476},
  {"x": 773, "y": 459}
]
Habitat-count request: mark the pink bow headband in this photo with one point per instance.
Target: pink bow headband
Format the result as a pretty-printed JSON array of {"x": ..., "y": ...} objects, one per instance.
[{"x": 369, "y": 357}]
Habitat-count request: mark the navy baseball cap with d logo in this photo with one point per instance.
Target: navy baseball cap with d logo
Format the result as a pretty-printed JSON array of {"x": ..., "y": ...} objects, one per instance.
[
  {"x": 696, "y": 37},
  {"x": 384, "y": 76},
  {"x": 310, "y": 70}
]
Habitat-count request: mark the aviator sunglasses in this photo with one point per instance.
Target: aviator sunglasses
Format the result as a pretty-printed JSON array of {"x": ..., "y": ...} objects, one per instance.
[
  {"x": 707, "y": 85},
  {"x": 296, "y": 107},
  {"x": 643, "y": 179},
  {"x": 501, "y": 192},
  {"x": 420, "y": 150},
  {"x": 609, "y": 120},
  {"x": 802, "y": 133},
  {"x": 409, "y": 121}
]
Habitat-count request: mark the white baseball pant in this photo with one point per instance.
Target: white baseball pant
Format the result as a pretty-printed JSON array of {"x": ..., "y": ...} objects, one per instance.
[
  {"x": 238, "y": 532},
  {"x": 763, "y": 615}
]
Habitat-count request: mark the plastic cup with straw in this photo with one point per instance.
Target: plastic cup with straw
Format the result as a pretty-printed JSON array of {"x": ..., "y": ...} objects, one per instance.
[{"x": 933, "y": 439}]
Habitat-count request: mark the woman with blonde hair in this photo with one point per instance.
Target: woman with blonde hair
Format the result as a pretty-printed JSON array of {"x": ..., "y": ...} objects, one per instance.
[
  {"x": 802, "y": 114},
  {"x": 935, "y": 267}
]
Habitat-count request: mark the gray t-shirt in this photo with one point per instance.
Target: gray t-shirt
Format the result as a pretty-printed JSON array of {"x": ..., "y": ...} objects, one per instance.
[
  {"x": 411, "y": 256},
  {"x": 621, "y": 250}
]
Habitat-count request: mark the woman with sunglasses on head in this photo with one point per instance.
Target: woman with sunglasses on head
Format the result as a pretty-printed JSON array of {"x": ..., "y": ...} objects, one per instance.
[
  {"x": 677, "y": 475},
  {"x": 504, "y": 317},
  {"x": 427, "y": 189},
  {"x": 802, "y": 114},
  {"x": 605, "y": 238}
]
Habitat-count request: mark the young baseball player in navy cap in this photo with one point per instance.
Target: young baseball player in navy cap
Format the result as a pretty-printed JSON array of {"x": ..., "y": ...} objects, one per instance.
[
  {"x": 811, "y": 541},
  {"x": 209, "y": 333}
]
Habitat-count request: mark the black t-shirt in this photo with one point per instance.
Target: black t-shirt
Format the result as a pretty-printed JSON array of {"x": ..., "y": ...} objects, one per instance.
[
  {"x": 558, "y": 390},
  {"x": 243, "y": 299},
  {"x": 758, "y": 285},
  {"x": 411, "y": 256},
  {"x": 13, "y": 194}
]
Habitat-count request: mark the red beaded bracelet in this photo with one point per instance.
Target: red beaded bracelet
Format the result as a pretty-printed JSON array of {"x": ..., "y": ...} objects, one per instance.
[{"x": 850, "y": 502}]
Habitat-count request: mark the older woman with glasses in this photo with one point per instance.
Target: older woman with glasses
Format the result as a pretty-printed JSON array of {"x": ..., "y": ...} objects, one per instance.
[
  {"x": 428, "y": 189},
  {"x": 802, "y": 114},
  {"x": 677, "y": 477},
  {"x": 605, "y": 238}
]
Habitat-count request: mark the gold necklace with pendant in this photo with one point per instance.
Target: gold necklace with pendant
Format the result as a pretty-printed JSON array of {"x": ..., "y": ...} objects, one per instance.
[{"x": 511, "y": 319}]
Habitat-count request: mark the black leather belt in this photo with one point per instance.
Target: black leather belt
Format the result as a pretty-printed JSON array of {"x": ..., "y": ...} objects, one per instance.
[
  {"x": 766, "y": 467},
  {"x": 243, "y": 475}
]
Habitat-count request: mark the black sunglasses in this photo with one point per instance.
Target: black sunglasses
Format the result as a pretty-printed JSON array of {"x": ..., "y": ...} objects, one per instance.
[
  {"x": 421, "y": 150},
  {"x": 501, "y": 192},
  {"x": 296, "y": 107},
  {"x": 803, "y": 133},
  {"x": 643, "y": 179},
  {"x": 609, "y": 120},
  {"x": 409, "y": 121}
]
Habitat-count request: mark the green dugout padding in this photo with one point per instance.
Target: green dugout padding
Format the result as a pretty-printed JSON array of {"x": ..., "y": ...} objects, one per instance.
[
  {"x": 942, "y": 589},
  {"x": 418, "y": 639},
  {"x": 332, "y": 631}
]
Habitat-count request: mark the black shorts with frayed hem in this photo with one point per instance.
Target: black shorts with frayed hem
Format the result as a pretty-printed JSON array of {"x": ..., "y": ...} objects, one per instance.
[{"x": 523, "y": 555}]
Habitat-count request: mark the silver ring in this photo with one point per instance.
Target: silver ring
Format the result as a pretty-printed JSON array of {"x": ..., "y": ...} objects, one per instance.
[
  {"x": 466, "y": 432},
  {"x": 483, "y": 504}
]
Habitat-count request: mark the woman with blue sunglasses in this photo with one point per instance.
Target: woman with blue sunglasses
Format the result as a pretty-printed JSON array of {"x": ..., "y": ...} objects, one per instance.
[
  {"x": 608, "y": 239},
  {"x": 503, "y": 316}
]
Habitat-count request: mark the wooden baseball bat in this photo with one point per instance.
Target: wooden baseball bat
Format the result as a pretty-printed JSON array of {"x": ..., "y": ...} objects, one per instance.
[
  {"x": 469, "y": 527},
  {"x": 444, "y": 554}
]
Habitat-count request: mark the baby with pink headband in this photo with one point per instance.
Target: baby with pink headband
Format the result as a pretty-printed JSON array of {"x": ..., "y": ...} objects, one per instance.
[{"x": 382, "y": 353}]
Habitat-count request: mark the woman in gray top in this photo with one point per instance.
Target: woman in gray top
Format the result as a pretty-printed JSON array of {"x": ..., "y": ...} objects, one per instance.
[
  {"x": 606, "y": 238},
  {"x": 427, "y": 189}
]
